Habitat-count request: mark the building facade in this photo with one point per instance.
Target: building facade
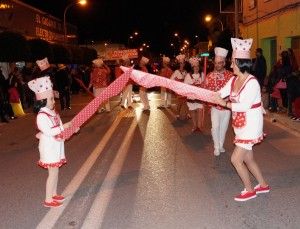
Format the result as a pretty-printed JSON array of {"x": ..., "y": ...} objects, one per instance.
[
  {"x": 274, "y": 26},
  {"x": 19, "y": 17}
]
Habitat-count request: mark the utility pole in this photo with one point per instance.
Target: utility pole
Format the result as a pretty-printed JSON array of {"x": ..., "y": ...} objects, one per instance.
[{"x": 236, "y": 17}]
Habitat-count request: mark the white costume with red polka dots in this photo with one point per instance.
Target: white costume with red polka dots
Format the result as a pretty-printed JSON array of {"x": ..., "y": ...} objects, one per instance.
[
  {"x": 247, "y": 115},
  {"x": 52, "y": 152},
  {"x": 220, "y": 117}
]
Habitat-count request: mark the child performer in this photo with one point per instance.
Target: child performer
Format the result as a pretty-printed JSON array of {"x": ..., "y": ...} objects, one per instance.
[{"x": 52, "y": 155}]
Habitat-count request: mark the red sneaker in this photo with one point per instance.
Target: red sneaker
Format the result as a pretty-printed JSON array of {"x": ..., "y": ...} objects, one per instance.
[
  {"x": 52, "y": 204},
  {"x": 58, "y": 198},
  {"x": 259, "y": 189},
  {"x": 245, "y": 195}
]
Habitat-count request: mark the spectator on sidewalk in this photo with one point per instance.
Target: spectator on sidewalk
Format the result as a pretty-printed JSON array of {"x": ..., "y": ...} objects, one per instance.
[
  {"x": 63, "y": 83},
  {"x": 14, "y": 97},
  {"x": 259, "y": 68},
  {"x": 294, "y": 92},
  {"x": 293, "y": 60},
  {"x": 5, "y": 104}
]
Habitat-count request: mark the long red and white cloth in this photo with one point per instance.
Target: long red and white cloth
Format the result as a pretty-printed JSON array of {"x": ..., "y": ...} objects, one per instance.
[{"x": 144, "y": 79}]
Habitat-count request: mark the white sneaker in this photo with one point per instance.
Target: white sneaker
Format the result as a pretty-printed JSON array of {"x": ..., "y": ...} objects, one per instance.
[
  {"x": 222, "y": 150},
  {"x": 216, "y": 152}
]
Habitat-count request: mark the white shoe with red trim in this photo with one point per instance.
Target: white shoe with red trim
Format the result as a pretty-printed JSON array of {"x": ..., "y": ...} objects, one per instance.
[
  {"x": 245, "y": 195},
  {"x": 259, "y": 189}
]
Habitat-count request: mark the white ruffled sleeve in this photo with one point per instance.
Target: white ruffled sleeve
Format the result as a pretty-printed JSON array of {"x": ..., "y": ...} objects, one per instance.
[{"x": 44, "y": 125}]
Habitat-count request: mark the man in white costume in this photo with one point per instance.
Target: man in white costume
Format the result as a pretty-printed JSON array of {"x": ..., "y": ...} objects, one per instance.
[
  {"x": 220, "y": 116},
  {"x": 166, "y": 72},
  {"x": 143, "y": 91}
]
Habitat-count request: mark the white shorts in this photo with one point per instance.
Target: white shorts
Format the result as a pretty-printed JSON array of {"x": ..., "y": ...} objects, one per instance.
[{"x": 245, "y": 146}]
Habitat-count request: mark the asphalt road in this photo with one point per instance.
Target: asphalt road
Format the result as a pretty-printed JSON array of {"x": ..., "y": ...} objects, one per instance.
[{"x": 128, "y": 169}]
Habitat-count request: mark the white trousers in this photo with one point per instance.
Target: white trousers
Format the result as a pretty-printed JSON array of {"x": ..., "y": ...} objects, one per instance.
[
  {"x": 144, "y": 97},
  {"x": 96, "y": 92},
  {"x": 127, "y": 96},
  {"x": 165, "y": 97},
  {"x": 219, "y": 123}
]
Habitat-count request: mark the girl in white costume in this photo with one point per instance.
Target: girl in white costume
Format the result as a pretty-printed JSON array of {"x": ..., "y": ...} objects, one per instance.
[
  {"x": 51, "y": 148},
  {"x": 247, "y": 118},
  {"x": 179, "y": 75},
  {"x": 195, "y": 78}
]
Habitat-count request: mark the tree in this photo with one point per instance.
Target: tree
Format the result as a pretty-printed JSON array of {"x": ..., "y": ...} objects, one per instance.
[
  {"x": 13, "y": 47},
  {"x": 39, "y": 49},
  {"x": 61, "y": 54}
]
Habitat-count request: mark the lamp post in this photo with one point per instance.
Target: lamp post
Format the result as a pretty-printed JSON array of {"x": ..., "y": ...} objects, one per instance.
[
  {"x": 209, "y": 18},
  {"x": 131, "y": 37},
  {"x": 81, "y": 2}
]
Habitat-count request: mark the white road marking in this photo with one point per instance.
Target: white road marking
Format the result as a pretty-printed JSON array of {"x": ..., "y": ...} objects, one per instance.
[{"x": 96, "y": 214}]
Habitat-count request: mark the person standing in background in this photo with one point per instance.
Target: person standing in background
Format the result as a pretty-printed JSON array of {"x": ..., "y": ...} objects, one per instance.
[
  {"x": 166, "y": 72},
  {"x": 220, "y": 116},
  {"x": 126, "y": 100},
  {"x": 195, "y": 78},
  {"x": 259, "y": 68},
  {"x": 99, "y": 81},
  {"x": 63, "y": 83},
  {"x": 179, "y": 75},
  {"x": 143, "y": 91}
]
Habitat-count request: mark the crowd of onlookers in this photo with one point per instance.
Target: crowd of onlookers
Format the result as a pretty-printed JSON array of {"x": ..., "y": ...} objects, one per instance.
[
  {"x": 15, "y": 95},
  {"x": 282, "y": 85}
]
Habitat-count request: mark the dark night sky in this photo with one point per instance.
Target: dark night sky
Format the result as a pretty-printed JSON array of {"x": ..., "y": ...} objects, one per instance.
[{"x": 115, "y": 20}]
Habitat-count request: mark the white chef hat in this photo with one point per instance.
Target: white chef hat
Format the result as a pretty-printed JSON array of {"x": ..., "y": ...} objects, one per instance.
[
  {"x": 221, "y": 52},
  {"x": 145, "y": 60},
  {"x": 43, "y": 64},
  {"x": 42, "y": 87},
  {"x": 166, "y": 59},
  {"x": 194, "y": 61},
  {"x": 241, "y": 48},
  {"x": 98, "y": 62},
  {"x": 180, "y": 58}
]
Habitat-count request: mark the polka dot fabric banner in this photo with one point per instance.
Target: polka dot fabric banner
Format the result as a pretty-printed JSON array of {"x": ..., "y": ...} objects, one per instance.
[
  {"x": 113, "y": 89},
  {"x": 149, "y": 80},
  {"x": 144, "y": 79}
]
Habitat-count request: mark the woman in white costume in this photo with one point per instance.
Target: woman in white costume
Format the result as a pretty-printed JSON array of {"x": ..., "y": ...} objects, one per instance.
[
  {"x": 195, "y": 78},
  {"x": 247, "y": 118},
  {"x": 179, "y": 75}
]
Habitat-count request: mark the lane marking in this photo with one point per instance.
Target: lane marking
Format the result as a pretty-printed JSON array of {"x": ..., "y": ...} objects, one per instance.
[
  {"x": 95, "y": 217},
  {"x": 53, "y": 214}
]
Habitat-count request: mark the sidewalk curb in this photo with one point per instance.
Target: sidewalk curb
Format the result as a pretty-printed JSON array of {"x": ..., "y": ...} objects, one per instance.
[{"x": 279, "y": 121}]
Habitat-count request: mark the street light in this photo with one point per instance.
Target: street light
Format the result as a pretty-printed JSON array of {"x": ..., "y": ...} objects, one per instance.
[
  {"x": 80, "y": 2},
  {"x": 131, "y": 37},
  {"x": 208, "y": 18}
]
